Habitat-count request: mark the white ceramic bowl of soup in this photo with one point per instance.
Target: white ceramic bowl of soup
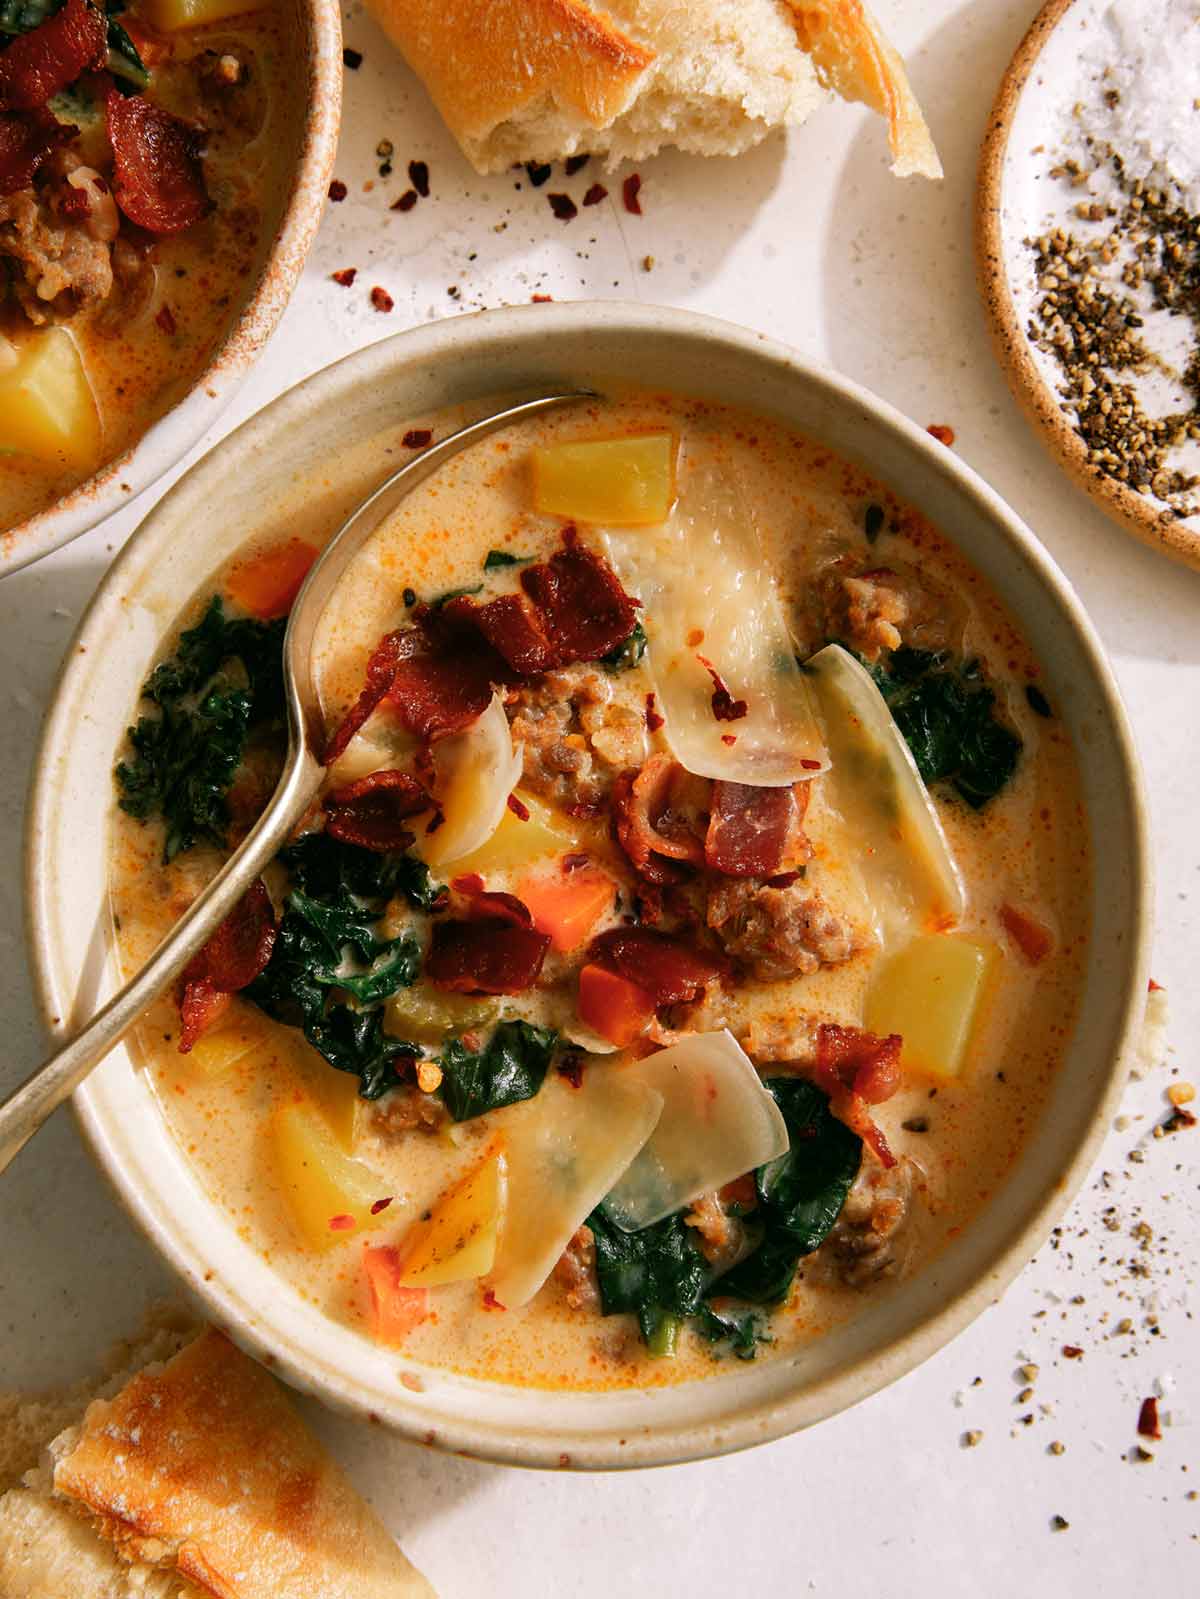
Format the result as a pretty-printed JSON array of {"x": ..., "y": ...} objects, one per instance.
[
  {"x": 294, "y": 151},
  {"x": 465, "y": 361}
]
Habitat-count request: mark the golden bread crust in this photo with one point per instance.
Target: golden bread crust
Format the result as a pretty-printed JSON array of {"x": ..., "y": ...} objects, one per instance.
[
  {"x": 203, "y": 1465},
  {"x": 855, "y": 60},
  {"x": 485, "y": 64}
]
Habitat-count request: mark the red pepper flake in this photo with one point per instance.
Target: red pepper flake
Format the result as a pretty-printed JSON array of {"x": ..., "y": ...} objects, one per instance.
[
  {"x": 380, "y": 1204},
  {"x": 519, "y": 810},
  {"x": 729, "y": 738},
  {"x": 541, "y": 299},
  {"x": 653, "y": 720},
  {"x": 563, "y": 206},
  {"x": 630, "y": 192},
  {"x": 337, "y": 190},
  {"x": 576, "y": 861},
  {"x": 490, "y": 1302},
  {"x": 381, "y": 299},
  {"x": 165, "y": 319},
  {"x": 575, "y": 163},
  {"x": 345, "y": 277},
  {"x": 418, "y": 176},
  {"x": 1148, "y": 1425},
  {"x": 416, "y": 439},
  {"x": 406, "y": 201},
  {"x": 571, "y": 1067},
  {"x": 342, "y": 1224},
  {"x": 595, "y": 194},
  {"x": 1155, "y": 988},
  {"x": 941, "y": 432},
  {"x": 811, "y": 766},
  {"x": 1072, "y": 1351},
  {"x": 352, "y": 58},
  {"x": 584, "y": 810},
  {"x": 724, "y": 707},
  {"x": 783, "y": 880}
]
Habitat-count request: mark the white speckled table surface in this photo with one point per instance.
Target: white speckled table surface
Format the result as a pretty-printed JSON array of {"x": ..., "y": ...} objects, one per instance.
[{"x": 811, "y": 240}]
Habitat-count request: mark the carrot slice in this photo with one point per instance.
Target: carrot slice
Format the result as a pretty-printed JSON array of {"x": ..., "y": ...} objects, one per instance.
[
  {"x": 613, "y": 1006},
  {"x": 395, "y": 1310},
  {"x": 567, "y": 905},
  {"x": 266, "y": 585}
]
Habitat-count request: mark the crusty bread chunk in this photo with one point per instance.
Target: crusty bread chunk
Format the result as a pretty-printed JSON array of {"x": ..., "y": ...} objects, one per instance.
[
  {"x": 197, "y": 1480},
  {"x": 537, "y": 80}
]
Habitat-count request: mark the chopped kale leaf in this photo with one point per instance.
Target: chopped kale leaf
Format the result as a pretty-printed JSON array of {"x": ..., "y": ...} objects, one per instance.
[
  {"x": 455, "y": 594},
  {"x": 800, "y": 1195},
  {"x": 628, "y": 653},
  {"x": 325, "y": 927},
  {"x": 658, "y": 1273},
  {"x": 224, "y": 682},
  {"x": 321, "y": 865},
  {"x": 499, "y": 558},
  {"x": 946, "y": 712},
  {"x": 742, "y": 1333},
  {"x": 512, "y": 1066}
]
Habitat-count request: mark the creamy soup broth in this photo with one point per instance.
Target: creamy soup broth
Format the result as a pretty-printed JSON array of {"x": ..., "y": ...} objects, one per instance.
[{"x": 957, "y": 1138}]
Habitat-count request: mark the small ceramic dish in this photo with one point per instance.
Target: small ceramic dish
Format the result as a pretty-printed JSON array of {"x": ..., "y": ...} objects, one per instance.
[
  {"x": 312, "y": 31},
  {"x": 1050, "y": 100},
  {"x": 467, "y": 361}
]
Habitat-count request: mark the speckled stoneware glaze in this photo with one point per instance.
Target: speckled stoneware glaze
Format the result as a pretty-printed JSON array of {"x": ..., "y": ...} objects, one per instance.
[
  {"x": 315, "y": 81},
  {"x": 472, "y": 359}
]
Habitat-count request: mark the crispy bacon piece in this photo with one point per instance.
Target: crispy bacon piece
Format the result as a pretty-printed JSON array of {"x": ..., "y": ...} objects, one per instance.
[
  {"x": 157, "y": 178},
  {"x": 25, "y": 142},
  {"x": 756, "y": 832},
  {"x": 573, "y": 609},
  {"x": 485, "y": 956},
  {"x": 667, "y": 968},
  {"x": 503, "y": 907},
  {"x": 658, "y": 812},
  {"x": 371, "y": 811},
  {"x": 233, "y": 957},
  {"x": 857, "y": 1069},
  {"x": 39, "y": 64},
  {"x": 381, "y": 670}
]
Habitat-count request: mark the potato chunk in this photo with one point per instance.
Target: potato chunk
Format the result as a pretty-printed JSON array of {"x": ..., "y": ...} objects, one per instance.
[
  {"x": 517, "y": 843},
  {"x": 930, "y": 993},
  {"x": 629, "y": 481},
  {"x": 172, "y": 15},
  {"x": 328, "y": 1194},
  {"x": 46, "y": 404},
  {"x": 458, "y": 1241}
]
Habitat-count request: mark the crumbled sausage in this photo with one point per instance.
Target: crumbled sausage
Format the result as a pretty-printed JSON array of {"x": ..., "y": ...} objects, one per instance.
[
  {"x": 56, "y": 264},
  {"x": 866, "y": 1240},
  {"x": 720, "y": 1235},
  {"x": 407, "y": 1109},
  {"x": 880, "y": 609},
  {"x": 775, "y": 933},
  {"x": 575, "y": 1272}
]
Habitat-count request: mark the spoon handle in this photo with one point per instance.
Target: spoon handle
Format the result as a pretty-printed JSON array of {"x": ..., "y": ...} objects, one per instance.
[{"x": 24, "y": 1111}]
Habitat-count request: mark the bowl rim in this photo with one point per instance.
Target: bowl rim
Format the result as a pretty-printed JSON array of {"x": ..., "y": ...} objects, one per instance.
[
  {"x": 169, "y": 438},
  {"x": 867, "y": 1373}
]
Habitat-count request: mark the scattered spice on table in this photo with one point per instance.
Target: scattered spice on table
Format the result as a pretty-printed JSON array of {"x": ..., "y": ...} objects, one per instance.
[
  {"x": 943, "y": 433},
  {"x": 337, "y": 190},
  {"x": 631, "y": 193},
  {"x": 538, "y": 171},
  {"x": 416, "y": 439},
  {"x": 418, "y": 176},
  {"x": 352, "y": 58},
  {"x": 595, "y": 194},
  {"x": 381, "y": 299},
  {"x": 345, "y": 276},
  {"x": 406, "y": 201},
  {"x": 563, "y": 206},
  {"x": 575, "y": 163}
]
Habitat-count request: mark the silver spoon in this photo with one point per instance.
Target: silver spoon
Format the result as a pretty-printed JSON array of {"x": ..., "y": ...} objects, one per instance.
[{"x": 24, "y": 1111}]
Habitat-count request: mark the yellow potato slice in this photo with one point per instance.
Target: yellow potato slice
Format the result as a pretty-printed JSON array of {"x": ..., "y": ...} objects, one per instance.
[
  {"x": 329, "y": 1195},
  {"x": 629, "y": 482},
  {"x": 515, "y": 843},
  {"x": 458, "y": 1241},
  {"x": 172, "y": 15},
  {"x": 930, "y": 993},
  {"x": 46, "y": 404},
  {"x": 423, "y": 1015}
]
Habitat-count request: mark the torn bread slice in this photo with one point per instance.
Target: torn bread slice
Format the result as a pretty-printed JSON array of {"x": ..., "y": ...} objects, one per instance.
[
  {"x": 538, "y": 80},
  {"x": 197, "y": 1480}
]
